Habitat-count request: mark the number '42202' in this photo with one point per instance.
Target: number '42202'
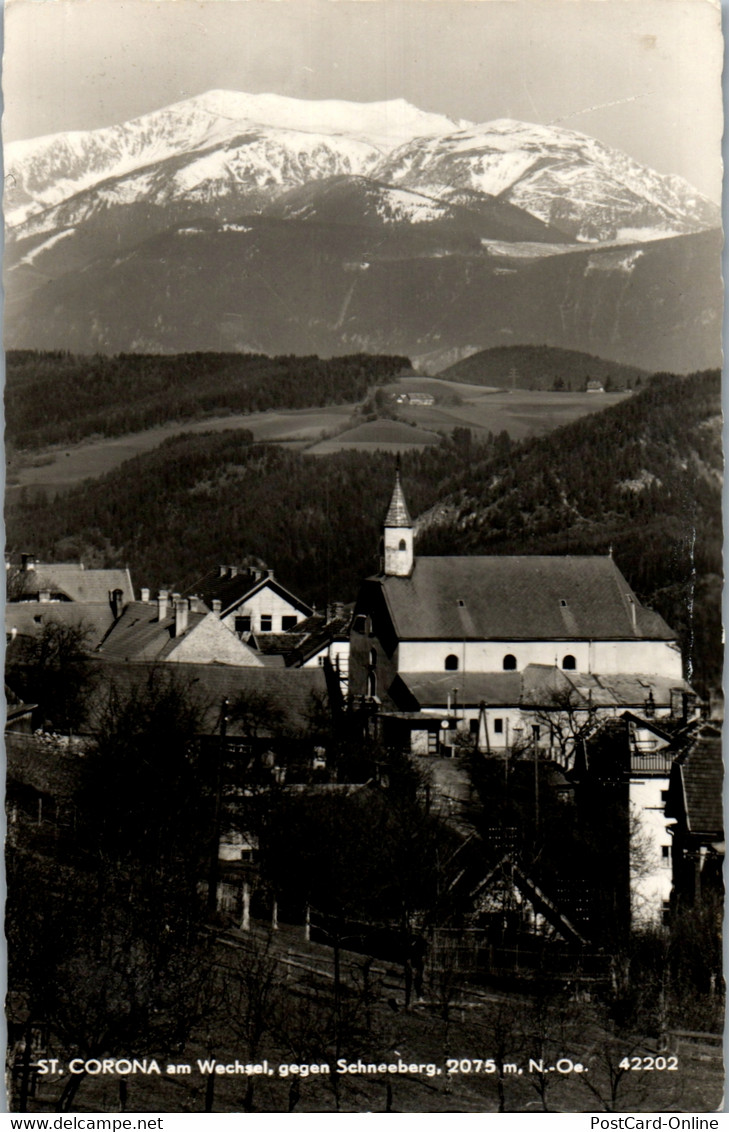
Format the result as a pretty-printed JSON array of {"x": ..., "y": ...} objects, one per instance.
[{"x": 648, "y": 1064}]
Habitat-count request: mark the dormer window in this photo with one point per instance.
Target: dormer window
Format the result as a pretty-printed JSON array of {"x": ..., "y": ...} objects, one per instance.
[
  {"x": 451, "y": 663},
  {"x": 509, "y": 663}
]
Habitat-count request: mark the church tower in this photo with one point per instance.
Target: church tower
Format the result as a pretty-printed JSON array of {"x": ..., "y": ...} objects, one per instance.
[{"x": 398, "y": 556}]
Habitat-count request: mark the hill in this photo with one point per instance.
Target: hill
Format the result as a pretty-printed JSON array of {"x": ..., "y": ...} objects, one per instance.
[
  {"x": 56, "y": 397},
  {"x": 642, "y": 477},
  {"x": 542, "y": 367}
]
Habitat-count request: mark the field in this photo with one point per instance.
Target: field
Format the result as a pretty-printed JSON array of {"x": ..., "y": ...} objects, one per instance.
[{"x": 325, "y": 430}]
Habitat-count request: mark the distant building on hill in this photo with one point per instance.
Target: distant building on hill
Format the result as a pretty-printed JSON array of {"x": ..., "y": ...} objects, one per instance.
[{"x": 595, "y": 386}]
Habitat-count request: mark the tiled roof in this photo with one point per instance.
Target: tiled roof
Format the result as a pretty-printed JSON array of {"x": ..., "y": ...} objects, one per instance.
[
  {"x": 29, "y": 617},
  {"x": 291, "y": 691},
  {"x": 701, "y": 771},
  {"x": 539, "y": 685},
  {"x": 397, "y": 513},
  {"x": 518, "y": 598},
  {"x": 231, "y": 591},
  {"x": 76, "y": 582},
  {"x": 138, "y": 634}
]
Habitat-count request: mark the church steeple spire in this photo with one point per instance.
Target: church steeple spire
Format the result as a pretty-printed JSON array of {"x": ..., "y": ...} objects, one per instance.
[{"x": 398, "y": 555}]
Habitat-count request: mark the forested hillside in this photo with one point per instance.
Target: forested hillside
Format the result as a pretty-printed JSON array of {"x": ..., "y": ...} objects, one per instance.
[
  {"x": 543, "y": 367},
  {"x": 642, "y": 477},
  {"x": 57, "y": 397}
]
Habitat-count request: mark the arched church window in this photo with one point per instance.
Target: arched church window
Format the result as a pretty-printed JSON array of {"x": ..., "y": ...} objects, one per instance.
[
  {"x": 372, "y": 684},
  {"x": 509, "y": 663},
  {"x": 451, "y": 662},
  {"x": 569, "y": 662},
  {"x": 373, "y": 658},
  {"x": 403, "y": 545}
]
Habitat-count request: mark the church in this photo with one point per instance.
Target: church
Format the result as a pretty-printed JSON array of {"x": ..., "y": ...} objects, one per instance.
[{"x": 502, "y": 648}]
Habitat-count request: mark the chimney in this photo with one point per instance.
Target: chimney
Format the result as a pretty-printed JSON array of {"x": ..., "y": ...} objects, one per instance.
[
  {"x": 162, "y": 605},
  {"x": 217, "y": 605},
  {"x": 144, "y": 594},
  {"x": 44, "y": 595},
  {"x": 233, "y": 571},
  {"x": 27, "y": 562},
  {"x": 181, "y": 611},
  {"x": 222, "y": 571}
]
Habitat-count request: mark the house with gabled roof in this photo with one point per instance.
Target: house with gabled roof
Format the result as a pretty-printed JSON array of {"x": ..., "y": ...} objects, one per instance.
[
  {"x": 249, "y": 599},
  {"x": 447, "y": 642},
  {"x": 46, "y": 582},
  {"x": 175, "y": 631}
]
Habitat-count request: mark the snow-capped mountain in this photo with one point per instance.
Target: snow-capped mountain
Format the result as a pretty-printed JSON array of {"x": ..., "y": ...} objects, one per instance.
[
  {"x": 393, "y": 229},
  {"x": 564, "y": 178},
  {"x": 225, "y": 134}
]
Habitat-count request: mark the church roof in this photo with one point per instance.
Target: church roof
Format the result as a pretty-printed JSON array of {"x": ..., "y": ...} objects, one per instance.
[
  {"x": 397, "y": 513},
  {"x": 518, "y": 598}
]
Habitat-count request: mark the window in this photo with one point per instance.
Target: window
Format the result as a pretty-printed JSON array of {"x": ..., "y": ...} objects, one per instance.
[
  {"x": 569, "y": 662},
  {"x": 498, "y": 727},
  {"x": 451, "y": 663},
  {"x": 666, "y": 852},
  {"x": 242, "y": 624},
  {"x": 509, "y": 663},
  {"x": 287, "y": 623},
  {"x": 373, "y": 658},
  {"x": 664, "y": 796},
  {"x": 266, "y": 622},
  {"x": 403, "y": 544},
  {"x": 535, "y": 732},
  {"x": 473, "y": 726},
  {"x": 372, "y": 684},
  {"x": 360, "y": 623}
]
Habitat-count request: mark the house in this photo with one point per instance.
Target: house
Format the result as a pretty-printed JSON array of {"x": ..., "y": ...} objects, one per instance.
[
  {"x": 52, "y": 582},
  {"x": 594, "y": 386},
  {"x": 249, "y": 599},
  {"x": 623, "y": 786},
  {"x": 694, "y": 806},
  {"x": 446, "y": 645},
  {"x": 315, "y": 640},
  {"x": 24, "y": 619},
  {"x": 176, "y": 631}
]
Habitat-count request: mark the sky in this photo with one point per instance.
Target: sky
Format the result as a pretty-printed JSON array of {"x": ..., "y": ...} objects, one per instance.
[{"x": 641, "y": 75}]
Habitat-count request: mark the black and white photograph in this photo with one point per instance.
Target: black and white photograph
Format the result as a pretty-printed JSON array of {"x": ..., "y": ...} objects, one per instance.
[{"x": 363, "y": 548}]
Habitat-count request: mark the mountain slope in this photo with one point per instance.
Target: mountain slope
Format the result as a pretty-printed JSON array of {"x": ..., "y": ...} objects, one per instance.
[
  {"x": 643, "y": 477},
  {"x": 290, "y": 286}
]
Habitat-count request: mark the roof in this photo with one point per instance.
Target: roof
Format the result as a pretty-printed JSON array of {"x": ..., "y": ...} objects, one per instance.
[
  {"x": 27, "y": 618},
  {"x": 518, "y": 598},
  {"x": 139, "y": 635},
  {"x": 539, "y": 686},
  {"x": 76, "y": 583},
  {"x": 235, "y": 585},
  {"x": 700, "y": 770},
  {"x": 397, "y": 513},
  {"x": 291, "y": 691}
]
